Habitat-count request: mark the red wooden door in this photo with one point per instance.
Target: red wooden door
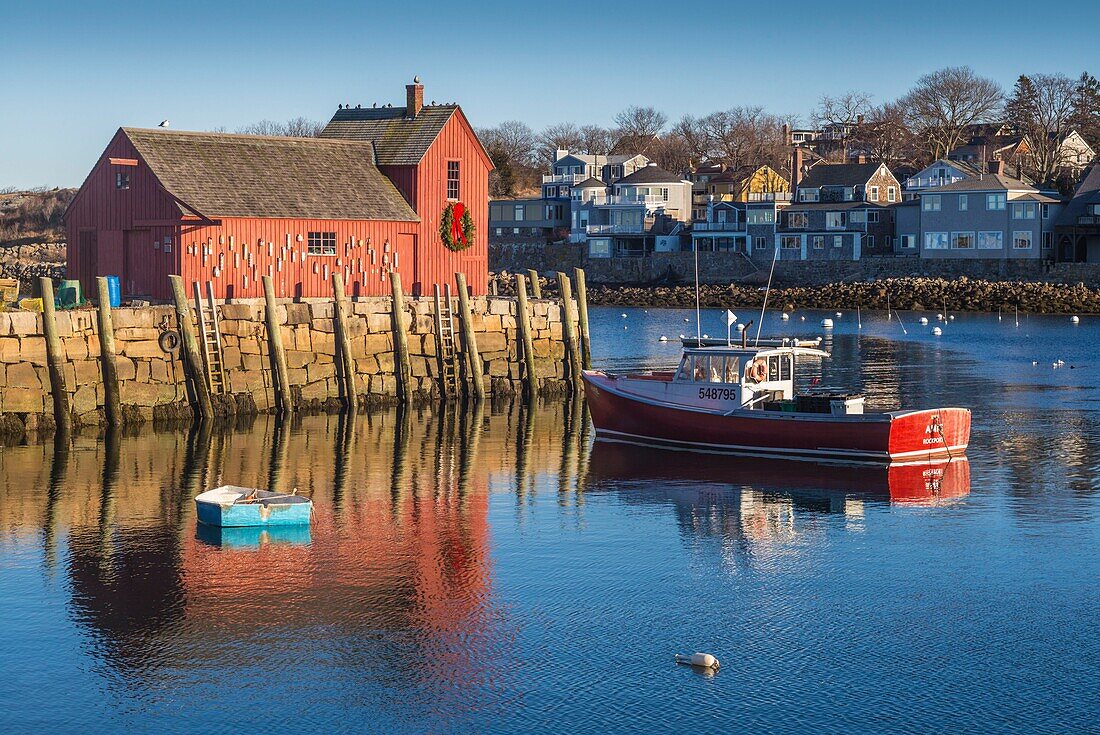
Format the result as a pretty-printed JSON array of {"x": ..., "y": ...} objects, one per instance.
[
  {"x": 408, "y": 263},
  {"x": 129, "y": 263}
]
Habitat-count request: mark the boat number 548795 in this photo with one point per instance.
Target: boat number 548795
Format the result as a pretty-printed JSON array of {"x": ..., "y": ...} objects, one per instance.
[{"x": 718, "y": 394}]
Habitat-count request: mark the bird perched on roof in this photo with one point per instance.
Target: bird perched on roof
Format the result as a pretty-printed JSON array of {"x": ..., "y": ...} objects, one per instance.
[{"x": 163, "y": 124}]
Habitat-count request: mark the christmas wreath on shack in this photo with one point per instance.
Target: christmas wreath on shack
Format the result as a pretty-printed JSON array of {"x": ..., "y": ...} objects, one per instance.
[{"x": 456, "y": 227}]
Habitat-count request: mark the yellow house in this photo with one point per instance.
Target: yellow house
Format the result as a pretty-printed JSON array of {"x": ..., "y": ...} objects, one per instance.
[{"x": 750, "y": 184}]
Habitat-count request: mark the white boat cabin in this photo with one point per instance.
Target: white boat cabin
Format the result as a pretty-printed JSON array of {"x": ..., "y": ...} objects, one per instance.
[{"x": 725, "y": 377}]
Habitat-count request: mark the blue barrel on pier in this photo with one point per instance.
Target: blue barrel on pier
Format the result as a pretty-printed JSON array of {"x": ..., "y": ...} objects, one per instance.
[{"x": 114, "y": 291}]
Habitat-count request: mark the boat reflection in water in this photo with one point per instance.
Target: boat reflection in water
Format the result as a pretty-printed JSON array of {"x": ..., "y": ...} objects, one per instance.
[
  {"x": 252, "y": 537},
  {"x": 908, "y": 482}
]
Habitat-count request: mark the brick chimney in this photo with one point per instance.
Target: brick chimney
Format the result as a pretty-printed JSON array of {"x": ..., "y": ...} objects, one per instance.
[
  {"x": 414, "y": 98},
  {"x": 786, "y": 134},
  {"x": 796, "y": 166},
  {"x": 861, "y": 158},
  {"x": 997, "y": 167}
]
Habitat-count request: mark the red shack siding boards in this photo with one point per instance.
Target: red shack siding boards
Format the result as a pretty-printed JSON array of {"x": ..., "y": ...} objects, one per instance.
[
  {"x": 437, "y": 263},
  {"x": 242, "y": 250},
  {"x": 111, "y": 212}
]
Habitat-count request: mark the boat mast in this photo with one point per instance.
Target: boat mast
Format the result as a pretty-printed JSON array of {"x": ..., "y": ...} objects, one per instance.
[
  {"x": 698, "y": 320},
  {"x": 775, "y": 257}
]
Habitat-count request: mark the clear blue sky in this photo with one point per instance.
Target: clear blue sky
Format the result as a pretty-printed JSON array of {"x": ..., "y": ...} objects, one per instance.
[{"x": 71, "y": 73}]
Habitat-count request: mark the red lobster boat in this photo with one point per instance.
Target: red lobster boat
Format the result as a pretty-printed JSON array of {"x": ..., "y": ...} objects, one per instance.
[{"x": 742, "y": 400}]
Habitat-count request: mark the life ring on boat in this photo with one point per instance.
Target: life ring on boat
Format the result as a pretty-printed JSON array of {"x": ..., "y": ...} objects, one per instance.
[{"x": 757, "y": 371}]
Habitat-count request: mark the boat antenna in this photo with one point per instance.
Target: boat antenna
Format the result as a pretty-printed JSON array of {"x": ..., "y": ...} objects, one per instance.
[
  {"x": 775, "y": 257},
  {"x": 698, "y": 319}
]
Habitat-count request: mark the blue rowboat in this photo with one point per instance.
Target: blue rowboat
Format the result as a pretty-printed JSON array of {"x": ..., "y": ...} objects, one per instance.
[{"x": 232, "y": 506}]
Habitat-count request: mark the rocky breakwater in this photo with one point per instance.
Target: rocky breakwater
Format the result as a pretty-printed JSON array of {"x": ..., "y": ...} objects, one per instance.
[{"x": 961, "y": 294}]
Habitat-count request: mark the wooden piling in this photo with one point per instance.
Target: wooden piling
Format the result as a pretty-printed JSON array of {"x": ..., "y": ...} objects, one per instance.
[
  {"x": 536, "y": 287},
  {"x": 284, "y": 404},
  {"x": 55, "y": 358},
  {"x": 112, "y": 405},
  {"x": 437, "y": 314},
  {"x": 189, "y": 349},
  {"x": 401, "y": 366},
  {"x": 582, "y": 318},
  {"x": 343, "y": 342},
  {"x": 568, "y": 336},
  {"x": 474, "y": 367},
  {"x": 526, "y": 343}
]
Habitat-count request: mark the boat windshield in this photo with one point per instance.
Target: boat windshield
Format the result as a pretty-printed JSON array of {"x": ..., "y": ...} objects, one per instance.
[{"x": 709, "y": 368}]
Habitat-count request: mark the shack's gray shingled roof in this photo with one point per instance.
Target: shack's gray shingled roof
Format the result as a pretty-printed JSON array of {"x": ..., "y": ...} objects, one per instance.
[
  {"x": 838, "y": 174},
  {"x": 399, "y": 141},
  {"x": 651, "y": 174},
  {"x": 223, "y": 175}
]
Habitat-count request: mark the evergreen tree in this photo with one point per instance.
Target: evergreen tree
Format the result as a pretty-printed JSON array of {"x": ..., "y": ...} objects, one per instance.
[
  {"x": 1020, "y": 110},
  {"x": 1085, "y": 118}
]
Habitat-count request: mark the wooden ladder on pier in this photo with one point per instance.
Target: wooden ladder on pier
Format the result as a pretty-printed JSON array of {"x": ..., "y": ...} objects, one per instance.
[
  {"x": 211, "y": 337},
  {"x": 445, "y": 342}
]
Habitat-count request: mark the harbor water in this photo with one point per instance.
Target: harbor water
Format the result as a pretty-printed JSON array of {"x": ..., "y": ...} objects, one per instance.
[{"x": 493, "y": 569}]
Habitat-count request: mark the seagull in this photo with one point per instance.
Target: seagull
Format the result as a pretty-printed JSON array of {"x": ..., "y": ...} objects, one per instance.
[{"x": 164, "y": 123}]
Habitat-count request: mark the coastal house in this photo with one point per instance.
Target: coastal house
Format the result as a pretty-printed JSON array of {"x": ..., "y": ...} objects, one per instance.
[
  {"x": 640, "y": 213},
  {"x": 368, "y": 197},
  {"x": 1077, "y": 228},
  {"x": 840, "y": 212},
  {"x": 991, "y": 215},
  {"x": 938, "y": 173},
  {"x": 572, "y": 168},
  {"x": 986, "y": 142},
  {"x": 749, "y": 183},
  {"x": 736, "y": 226}
]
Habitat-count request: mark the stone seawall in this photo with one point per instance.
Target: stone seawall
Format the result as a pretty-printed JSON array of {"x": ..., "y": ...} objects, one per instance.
[{"x": 153, "y": 386}]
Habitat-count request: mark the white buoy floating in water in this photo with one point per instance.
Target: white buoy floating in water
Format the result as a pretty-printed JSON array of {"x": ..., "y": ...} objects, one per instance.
[
  {"x": 838, "y": 315},
  {"x": 706, "y": 336},
  {"x": 623, "y": 315},
  {"x": 702, "y": 660},
  {"x": 827, "y": 323},
  {"x": 686, "y": 320},
  {"x": 937, "y": 331},
  {"x": 802, "y": 318},
  {"x": 939, "y": 317},
  {"x": 1074, "y": 319},
  {"x": 663, "y": 339},
  {"x": 784, "y": 316},
  {"x": 923, "y": 320},
  {"x": 951, "y": 318}
]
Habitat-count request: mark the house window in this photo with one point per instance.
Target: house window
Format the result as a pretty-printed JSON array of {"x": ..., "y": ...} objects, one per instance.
[
  {"x": 891, "y": 194},
  {"x": 990, "y": 240},
  {"x": 872, "y": 218},
  {"x": 122, "y": 180},
  {"x": 930, "y": 202},
  {"x": 834, "y": 220},
  {"x": 500, "y": 230},
  {"x": 819, "y": 242},
  {"x": 517, "y": 211},
  {"x": 453, "y": 191},
  {"x": 995, "y": 202},
  {"x": 807, "y": 195},
  {"x": 760, "y": 216},
  {"x": 908, "y": 241},
  {"x": 1048, "y": 240},
  {"x": 167, "y": 243},
  {"x": 1046, "y": 211},
  {"x": 935, "y": 241},
  {"x": 761, "y": 242},
  {"x": 1023, "y": 210},
  {"x": 791, "y": 242},
  {"x": 321, "y": 243},
  {"x": 872, "y": 193},
  {"x": 838, "y": 241},
  {"x": 796, "y": 220},
  {"x": 1021, "y": 240},
  {"x": 964, "y": 202},
  {"x": 870, "y": 241},
  {"x": 962, "y": 240},
  {"x": 889, "y": 241}
]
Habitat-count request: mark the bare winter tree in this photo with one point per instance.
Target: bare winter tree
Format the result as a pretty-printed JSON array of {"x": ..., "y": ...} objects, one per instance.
[
  {"x": 944, "y": 102},
  {"x": 298, "y": 127},
  {"x": 596, "y": 140},
  {"x": 839, "y": 115},
  {"x": 640, "y": 122},
  {"x": 693, "y": 134},
  {"x": 566, "y": 136},
  {"x": 744, "y": 135},
  {"x": 885, "y": 136},
  {"x": 1044, "y": 109},
  {"x": 512, "y": 148}
]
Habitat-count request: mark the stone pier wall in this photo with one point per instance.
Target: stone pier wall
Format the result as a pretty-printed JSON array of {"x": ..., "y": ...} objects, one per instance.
[{"x": 153, "y": 385}]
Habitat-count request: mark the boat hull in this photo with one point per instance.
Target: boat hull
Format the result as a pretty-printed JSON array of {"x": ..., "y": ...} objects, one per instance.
[
  {"x": 619, "y": 415},
  {"x": 222, "y": 507}
]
